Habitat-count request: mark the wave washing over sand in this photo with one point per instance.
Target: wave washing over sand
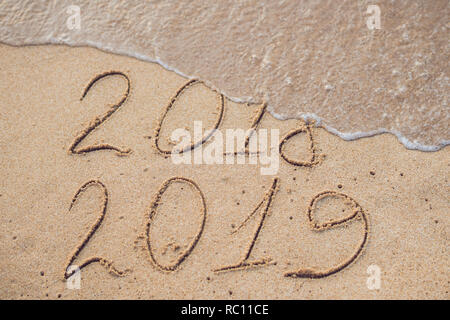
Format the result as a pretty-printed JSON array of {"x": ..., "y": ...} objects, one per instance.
[{"x": 310, "y": 59}]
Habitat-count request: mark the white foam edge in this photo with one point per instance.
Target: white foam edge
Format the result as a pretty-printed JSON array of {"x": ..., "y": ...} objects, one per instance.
[{"x": 348, "y": 136}]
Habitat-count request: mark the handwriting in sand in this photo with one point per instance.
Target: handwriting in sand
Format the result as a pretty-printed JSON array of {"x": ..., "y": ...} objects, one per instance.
[{"x": 263, "y": 207}]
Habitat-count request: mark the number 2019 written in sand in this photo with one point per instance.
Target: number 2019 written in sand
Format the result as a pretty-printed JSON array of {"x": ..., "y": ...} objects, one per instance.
[{"x": 259, "y": 213}]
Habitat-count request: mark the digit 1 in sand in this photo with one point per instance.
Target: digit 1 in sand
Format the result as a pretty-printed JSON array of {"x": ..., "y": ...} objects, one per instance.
[{"x": 244, "y": 263}]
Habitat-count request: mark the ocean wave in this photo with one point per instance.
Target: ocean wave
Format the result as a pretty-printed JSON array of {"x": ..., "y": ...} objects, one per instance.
[{"x": 309, "y": 59}]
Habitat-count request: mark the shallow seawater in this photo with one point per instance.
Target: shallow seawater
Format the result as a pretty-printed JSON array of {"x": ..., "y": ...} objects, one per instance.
[{"x": 312, "y": 59}]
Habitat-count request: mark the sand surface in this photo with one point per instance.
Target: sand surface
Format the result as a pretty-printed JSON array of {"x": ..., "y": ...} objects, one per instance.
[{"x": 403, "y": 195}]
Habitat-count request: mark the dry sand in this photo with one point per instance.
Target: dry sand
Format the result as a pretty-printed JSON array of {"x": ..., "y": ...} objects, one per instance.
[{"x": 404, "y": 195}]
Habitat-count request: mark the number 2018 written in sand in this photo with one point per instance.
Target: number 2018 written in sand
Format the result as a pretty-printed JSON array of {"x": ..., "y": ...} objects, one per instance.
[{"x": 259, "y": 213}]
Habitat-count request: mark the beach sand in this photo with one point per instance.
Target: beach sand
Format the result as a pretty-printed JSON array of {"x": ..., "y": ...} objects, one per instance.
[{"x": 403, "y": 195}]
